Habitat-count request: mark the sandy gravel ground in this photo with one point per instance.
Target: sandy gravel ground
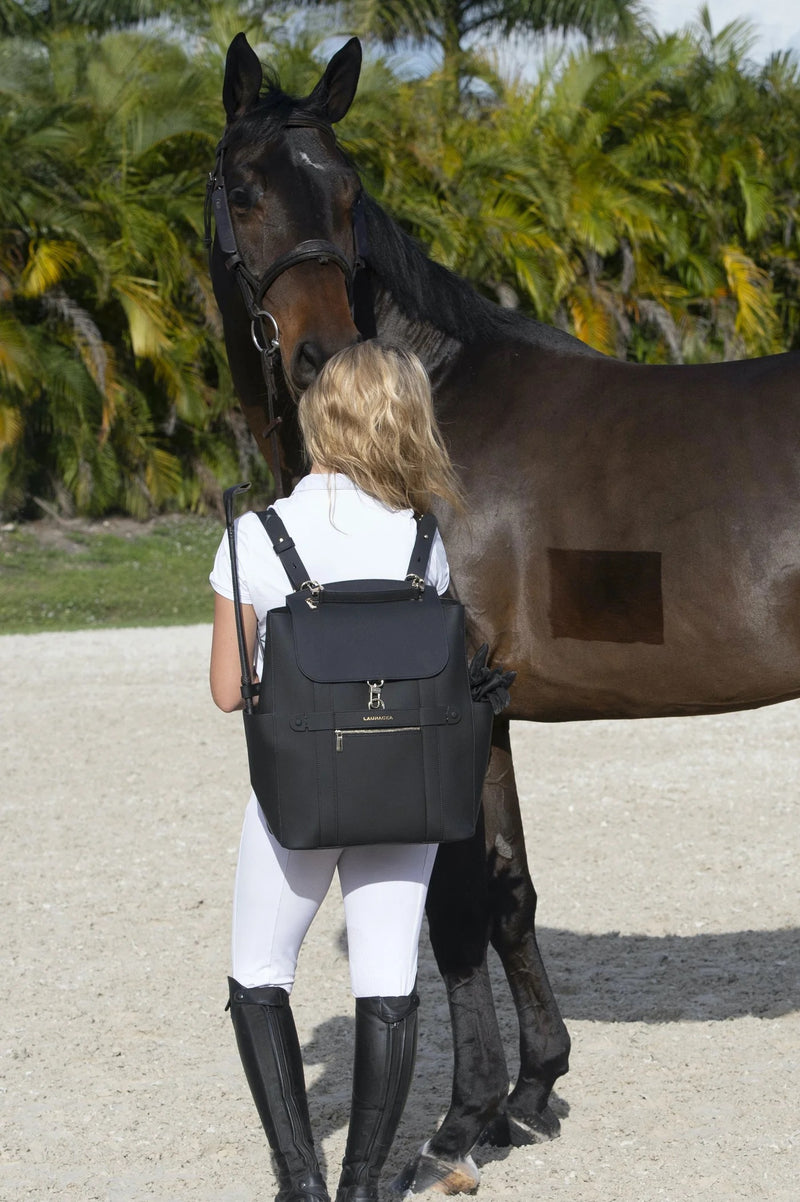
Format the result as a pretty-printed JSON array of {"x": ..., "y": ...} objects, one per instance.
[{"x": 666, "y": 859}]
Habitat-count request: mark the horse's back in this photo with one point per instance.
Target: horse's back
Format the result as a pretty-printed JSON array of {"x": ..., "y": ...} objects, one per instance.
[{"x": 634, "y": 546}]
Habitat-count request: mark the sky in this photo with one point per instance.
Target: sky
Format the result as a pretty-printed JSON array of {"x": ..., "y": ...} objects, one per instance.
[
  {"x": 777, "y": 21},
  {"x": 776, "y": 27}
]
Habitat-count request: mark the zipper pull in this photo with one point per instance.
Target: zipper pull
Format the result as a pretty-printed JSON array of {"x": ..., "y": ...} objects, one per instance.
[{"x": 339, "y": 740}]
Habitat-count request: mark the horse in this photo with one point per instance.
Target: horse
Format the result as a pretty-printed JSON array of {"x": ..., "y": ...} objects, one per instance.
[{"x": 630, "y": 546}]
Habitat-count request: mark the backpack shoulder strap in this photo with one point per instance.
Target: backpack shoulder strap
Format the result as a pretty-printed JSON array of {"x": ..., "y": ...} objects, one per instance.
[
  {"x": 283, "y": 545},
  {"x": 284, "y": 548},
  {"x": 426, "y": 531}
]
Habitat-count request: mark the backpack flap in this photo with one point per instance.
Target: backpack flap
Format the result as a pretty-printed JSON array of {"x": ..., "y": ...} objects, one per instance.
[{"x": 371, "y": 630}]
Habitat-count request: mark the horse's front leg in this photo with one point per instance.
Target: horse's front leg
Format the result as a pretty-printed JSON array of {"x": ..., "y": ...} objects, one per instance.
[
  {"x": 544, "y": 1040},
  {"x": 459, "y": 921}
]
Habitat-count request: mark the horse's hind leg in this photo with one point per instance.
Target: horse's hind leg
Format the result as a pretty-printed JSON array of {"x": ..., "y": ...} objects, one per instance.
[
  {"x": 544, "y": 1040},
  {"x": 458, "y": 921}
]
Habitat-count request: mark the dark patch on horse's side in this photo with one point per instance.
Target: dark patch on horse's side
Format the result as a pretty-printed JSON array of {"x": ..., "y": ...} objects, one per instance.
[{"x": 608, "y": 596}]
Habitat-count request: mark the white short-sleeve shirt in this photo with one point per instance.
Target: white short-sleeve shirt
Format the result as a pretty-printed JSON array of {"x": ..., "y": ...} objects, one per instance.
[{"x": 340, "y": 533}]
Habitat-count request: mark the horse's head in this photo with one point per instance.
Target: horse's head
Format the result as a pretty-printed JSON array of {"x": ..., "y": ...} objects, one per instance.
[{"x": 284, "y": 198}]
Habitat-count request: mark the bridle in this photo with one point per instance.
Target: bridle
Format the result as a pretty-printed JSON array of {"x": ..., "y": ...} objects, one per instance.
[{"x": 263, "y": 326}]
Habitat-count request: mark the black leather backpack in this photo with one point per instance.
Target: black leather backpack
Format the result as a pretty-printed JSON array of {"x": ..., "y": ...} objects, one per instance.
[{"x": 365, "y": 728}]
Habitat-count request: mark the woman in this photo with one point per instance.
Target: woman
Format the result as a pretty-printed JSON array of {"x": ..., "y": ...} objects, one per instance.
[{"x": 376, "y": 456}]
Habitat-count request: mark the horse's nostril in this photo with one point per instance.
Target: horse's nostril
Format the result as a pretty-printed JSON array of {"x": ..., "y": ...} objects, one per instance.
[{"x": 307, "y": 360}]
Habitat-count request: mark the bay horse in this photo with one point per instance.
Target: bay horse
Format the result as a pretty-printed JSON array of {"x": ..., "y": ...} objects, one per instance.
[{"x": 631, "y": 549}]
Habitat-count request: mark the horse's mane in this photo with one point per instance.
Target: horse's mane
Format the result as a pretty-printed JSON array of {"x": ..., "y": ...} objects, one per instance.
[
  {"x": 423, "y": 289},
  {"x": 426, "y": 291}
]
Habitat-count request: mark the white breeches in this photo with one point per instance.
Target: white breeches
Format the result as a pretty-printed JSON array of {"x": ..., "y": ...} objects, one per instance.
[{"x": 278, "y": 892}]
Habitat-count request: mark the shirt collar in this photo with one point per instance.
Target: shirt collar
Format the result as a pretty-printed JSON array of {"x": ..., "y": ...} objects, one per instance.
[{"x": 318, "y": 480}]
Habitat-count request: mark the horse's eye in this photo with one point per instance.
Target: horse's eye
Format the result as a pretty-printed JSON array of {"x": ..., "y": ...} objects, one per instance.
[{"x": 241, "y": 198}]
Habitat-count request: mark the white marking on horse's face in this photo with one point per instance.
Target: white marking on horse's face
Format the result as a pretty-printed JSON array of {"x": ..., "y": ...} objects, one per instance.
[{"x": 304, "y": 158}]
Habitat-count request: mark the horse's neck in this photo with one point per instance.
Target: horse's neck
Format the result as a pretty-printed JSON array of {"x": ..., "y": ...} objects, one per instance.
[
  {"x": 437, "y": 314},
  {"x": 437, "y": 349},
  {"x": 418, "y": 303}
]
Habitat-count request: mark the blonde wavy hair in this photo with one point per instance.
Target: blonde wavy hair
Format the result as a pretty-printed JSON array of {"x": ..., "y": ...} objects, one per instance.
[{"x": 369, "y": 415}]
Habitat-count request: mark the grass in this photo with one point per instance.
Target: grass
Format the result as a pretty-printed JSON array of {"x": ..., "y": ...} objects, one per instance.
[{"x": 107, "y": 574}]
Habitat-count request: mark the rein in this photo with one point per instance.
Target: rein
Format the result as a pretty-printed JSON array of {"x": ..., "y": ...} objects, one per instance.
[{"x": 263, "y": 326}]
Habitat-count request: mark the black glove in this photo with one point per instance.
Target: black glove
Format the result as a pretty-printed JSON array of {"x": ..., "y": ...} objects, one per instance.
[{"x": 489, "y": 684}]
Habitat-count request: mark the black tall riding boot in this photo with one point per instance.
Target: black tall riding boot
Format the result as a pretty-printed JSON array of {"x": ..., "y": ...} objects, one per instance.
[
  {"x": 270, "y": 1052},
  {"x": 386, "y": 1047}
]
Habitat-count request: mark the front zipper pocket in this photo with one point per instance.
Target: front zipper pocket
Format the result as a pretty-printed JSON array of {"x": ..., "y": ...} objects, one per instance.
[
  {"x": 381, "y": 730},
  {"x": 378, "y": 783}
]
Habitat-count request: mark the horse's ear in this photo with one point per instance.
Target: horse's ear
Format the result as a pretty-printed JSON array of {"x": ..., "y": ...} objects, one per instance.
[
  {"x": 335, "y": 91},
  {"x": 242, "y": 77}
]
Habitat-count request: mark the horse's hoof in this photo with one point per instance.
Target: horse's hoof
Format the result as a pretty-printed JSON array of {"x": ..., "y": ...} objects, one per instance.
[
  {"x": 536, "y": 1128},
  {"x": 427, "y": 1173}
]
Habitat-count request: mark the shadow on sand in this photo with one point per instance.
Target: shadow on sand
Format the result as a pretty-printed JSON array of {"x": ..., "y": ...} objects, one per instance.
[
  {"x": 608, "y": 978},
  {"x": 674, "y": 978}
]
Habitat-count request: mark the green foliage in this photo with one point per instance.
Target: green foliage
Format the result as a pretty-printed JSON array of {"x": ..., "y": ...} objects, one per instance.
[
  {"x": 93, "y": 578},
  {"x": 452, "y": 24},
  {"x": 40, "y": 16},
  {"x": 114, "y": 389},
  {"x": 641, "y": 198},
  {"x": 642, "y": 195}
]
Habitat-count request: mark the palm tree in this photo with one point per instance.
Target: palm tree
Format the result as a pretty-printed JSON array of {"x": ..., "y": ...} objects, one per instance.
[
  {"x": 722, "y": 191},
  {"x": 103, "y": 277},
  {"x": 598, "y": 197},
  {"x": 456, "y": 26},
  {"x": 645, "y": 198},
  {"x": 49, "y": 16}
]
